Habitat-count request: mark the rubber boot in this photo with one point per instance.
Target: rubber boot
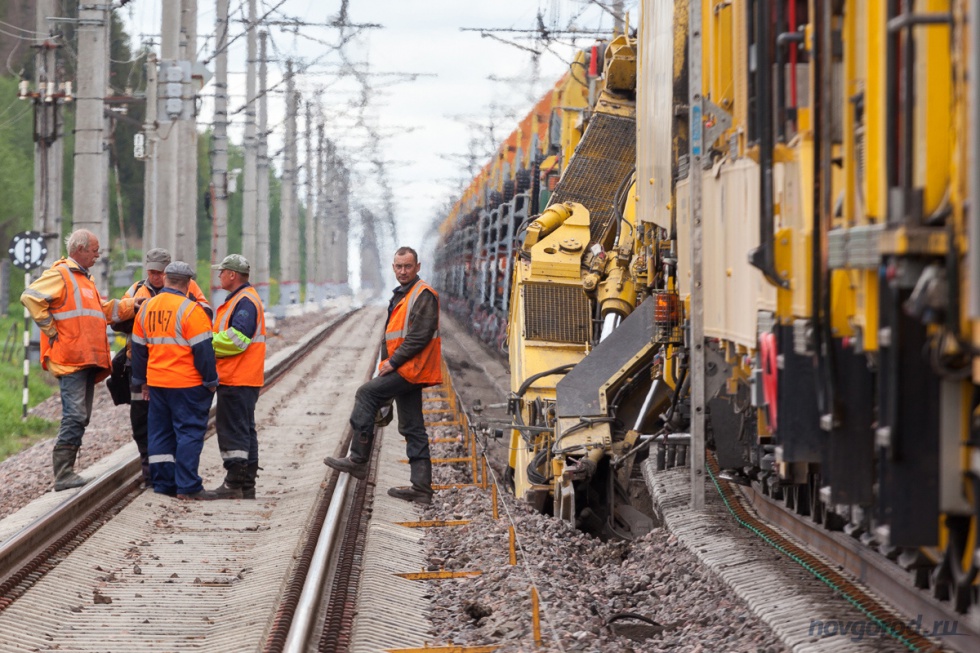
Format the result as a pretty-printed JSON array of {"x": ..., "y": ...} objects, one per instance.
[
  {"x": 63, "y": 458},
  {"x": 248, "y": 487},
  {"x": 138, "y": 414},
  {"x": 234, "y": 480},
  {"x": 421, "y": 488}
]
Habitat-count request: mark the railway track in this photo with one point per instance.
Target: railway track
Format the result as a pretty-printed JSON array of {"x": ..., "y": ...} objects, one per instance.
[{"x": 112, "y": 569}]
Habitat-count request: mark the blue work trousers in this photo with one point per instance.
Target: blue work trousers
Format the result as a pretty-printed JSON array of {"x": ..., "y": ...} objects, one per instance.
[
  {"x": 176, "y": 424},
  {"x": 234, "y": 420},
  {"x": 411, "y": 421},
  {"x": 77, "y": 392}
]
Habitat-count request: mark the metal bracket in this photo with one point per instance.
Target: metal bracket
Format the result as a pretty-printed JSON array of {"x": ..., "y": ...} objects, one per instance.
[{"x": 722, "y": 122}]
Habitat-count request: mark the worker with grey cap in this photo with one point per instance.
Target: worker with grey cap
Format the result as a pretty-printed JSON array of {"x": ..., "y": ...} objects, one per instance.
[
  {"x": 239, "y": 345},
  {"x": 173, "y": 362},
  {"x": 155, "y": 262}
]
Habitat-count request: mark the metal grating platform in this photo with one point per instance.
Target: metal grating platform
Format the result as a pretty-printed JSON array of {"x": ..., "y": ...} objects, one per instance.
[{"x": 603, "y": 159}]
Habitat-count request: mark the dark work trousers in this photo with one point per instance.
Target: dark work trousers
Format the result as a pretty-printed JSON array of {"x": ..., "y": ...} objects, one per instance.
[
  {"x": 77, "y": 393},
  {"x": 235, "y": 422},
  {"x": 139, "y": 411},
  {"x": 411, "y": 423},
  {"x": 177, "y": 421}
]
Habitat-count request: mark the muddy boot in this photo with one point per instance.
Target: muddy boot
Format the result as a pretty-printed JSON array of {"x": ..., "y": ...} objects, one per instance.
[
  {"x": 421, "y": 488},
  {"x": 248, "y": 487},
  {"x": 234, "y": 480},
  {"x": 355, "y": 469},
  {"x": 63, "y": 458}
]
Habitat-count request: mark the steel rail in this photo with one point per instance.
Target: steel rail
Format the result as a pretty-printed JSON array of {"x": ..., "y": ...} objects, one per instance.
[
  {"x": 28, "y": 550},
  {"x": 298, "y": 611},
  {"x": 306, "y": 609}
]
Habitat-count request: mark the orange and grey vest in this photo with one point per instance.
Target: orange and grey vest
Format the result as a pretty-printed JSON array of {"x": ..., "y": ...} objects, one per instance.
[
  {"x": 248, "y": 367},
  {"x": 425, "y": 367},
  {"x": 169, "y": 325},
  {"x": 81, "y": 324}
]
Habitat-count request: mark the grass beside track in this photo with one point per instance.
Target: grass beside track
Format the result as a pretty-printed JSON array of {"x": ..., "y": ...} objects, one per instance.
[{"x": 16, "y": 434}]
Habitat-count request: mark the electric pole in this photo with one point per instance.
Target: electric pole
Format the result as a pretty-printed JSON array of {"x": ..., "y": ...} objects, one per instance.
[
  {"x": 310, "y": 240},
  {"x": 49, "y": 151},
  {"x": 219, "y": 151},
  {"x": 371, "y": 281},
  {"x": 249, "y": 203},
  {"x": 90, "y": 201},
  {"x": 185, "y": 245},
  {"x": 170, "y": 92},
  {"x": 339, "y": 222},
  {"x": 263, "y": 251},
  {"x": 151, "y": 182},
  {"x": 321, "y": 213},
  {"x": 288, "y": 222}
]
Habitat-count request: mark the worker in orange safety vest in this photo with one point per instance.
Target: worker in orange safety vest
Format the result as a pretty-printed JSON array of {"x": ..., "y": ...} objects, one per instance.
[
  {"x": 239, "y": 345},
  {"x": 411, "y": 359},
  {"x": 173, "y": 362},
  {"x": 72, "y": 317},
  {"x": 156, "y": 261}
]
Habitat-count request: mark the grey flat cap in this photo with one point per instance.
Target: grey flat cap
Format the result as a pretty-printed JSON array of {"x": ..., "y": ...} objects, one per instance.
[
  {"x": 233, "y": 262},
  {"x": 157, "y": 259},
  {"x": 180, "y": 269}
]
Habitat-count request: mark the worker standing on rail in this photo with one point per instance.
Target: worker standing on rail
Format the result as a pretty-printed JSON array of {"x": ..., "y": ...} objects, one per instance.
[
  {"x": 239, "y": 345},
  {"x": 411, "y": 359},
  {"x": 173, "y": 362},
  {"x": 157, "y": 259},
  {"x": 66, "y": 306}
]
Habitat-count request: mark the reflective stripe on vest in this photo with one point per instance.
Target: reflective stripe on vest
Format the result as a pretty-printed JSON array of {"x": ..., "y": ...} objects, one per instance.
[
  {"x": 426, "y": 366},
  {"x": 248, "y": 367},
  {"x": 81, "y": 324},
  {"x": 169, "y": 327}
]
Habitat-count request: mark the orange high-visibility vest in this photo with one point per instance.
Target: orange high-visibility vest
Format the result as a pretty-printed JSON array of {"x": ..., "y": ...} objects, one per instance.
[
  {"x": 81, "y": 340},
  {"x": 142, "y": 289},
  {"x": 169, "y": 325},
  {"x": 248, "y": 367},
  {"x": 426, "y": 366}
]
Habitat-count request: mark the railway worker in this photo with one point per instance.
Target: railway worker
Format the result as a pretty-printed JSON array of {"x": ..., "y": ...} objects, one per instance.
[
  {"x": 239, "y": 345},
  {"x": 411, "y": 354},
  {"x": 173, "y": 362},
  {"x": 72, "y": 316},
  {"x": 156, "y": 261}
]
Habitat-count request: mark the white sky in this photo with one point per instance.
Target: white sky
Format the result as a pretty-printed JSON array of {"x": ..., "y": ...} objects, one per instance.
[{"x": 426, "y": 124}]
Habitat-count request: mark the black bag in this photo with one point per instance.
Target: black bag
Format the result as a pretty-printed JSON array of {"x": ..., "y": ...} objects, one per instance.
[{"x": 119, "y": 379}]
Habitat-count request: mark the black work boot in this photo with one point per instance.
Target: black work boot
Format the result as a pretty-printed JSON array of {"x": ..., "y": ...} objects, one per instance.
[
  {"x": 248, "y": 487},
  {"x": 63, "y": 459},
  {"x": 234, "y": 481},
  {"x": 421, "y": 488},
  {"x": 200, "y": 495},
  {"x": 355, "y": 469}
]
